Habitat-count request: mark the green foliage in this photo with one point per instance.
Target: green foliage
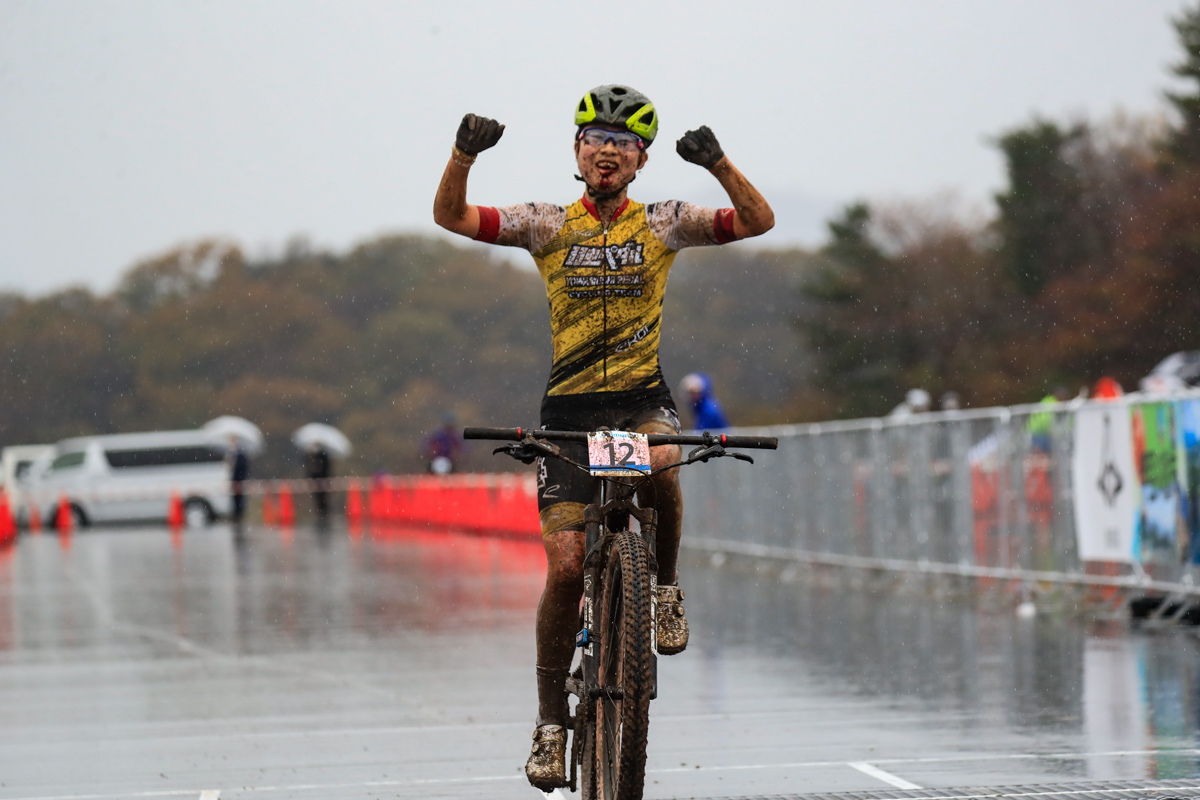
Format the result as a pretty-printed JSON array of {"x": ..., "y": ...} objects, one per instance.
[
  {"x": 852, "y": 353},
  {"x": 1087, "y": 270},
  {"x": 1184, "y": 142},
  {"x": 1043, "y": 219},
  {"x": 902, "y": 299}
]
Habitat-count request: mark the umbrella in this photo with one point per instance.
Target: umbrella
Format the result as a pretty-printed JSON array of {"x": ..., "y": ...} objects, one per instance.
[
  {"x": 325, "y": 436},
  {"x": 246, "y": 432}
]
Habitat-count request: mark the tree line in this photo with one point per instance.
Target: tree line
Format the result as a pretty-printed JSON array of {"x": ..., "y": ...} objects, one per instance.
[{"x": 381, "y": 342}]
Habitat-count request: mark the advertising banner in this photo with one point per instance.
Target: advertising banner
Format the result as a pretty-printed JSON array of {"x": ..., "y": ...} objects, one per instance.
[
  {"x": 1161, "y": 533},
  {"x": 1105, "y": 482},
  {"x": 1187, "y": 423}
]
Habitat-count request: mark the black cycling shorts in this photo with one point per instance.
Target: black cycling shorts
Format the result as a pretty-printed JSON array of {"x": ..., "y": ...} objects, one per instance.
[{"x": 563, "y": 490}]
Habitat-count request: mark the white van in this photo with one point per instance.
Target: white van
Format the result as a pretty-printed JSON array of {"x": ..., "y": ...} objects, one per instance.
[{"x": 131, "y": 476}]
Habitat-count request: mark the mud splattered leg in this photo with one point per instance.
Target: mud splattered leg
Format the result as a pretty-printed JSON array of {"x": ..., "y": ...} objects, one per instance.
[
  {"x": 667, "y": 498},
  {"x": 557, "y": 620}
]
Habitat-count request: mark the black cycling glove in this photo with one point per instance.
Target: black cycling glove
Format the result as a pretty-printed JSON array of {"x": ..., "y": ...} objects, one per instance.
[
  {"x": 700, "y": 147},
  {"x": 476, "y": 134}
]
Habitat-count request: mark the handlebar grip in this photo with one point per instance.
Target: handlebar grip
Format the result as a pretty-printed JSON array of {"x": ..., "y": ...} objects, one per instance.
[
  {"x": 503, "y": 434},
  {"x": 755, "y": 442}
]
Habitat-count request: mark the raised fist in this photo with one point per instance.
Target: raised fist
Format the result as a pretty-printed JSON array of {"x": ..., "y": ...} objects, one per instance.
[
  {"x": 700, "y": 147},
  {"x": 476, "y": 134}
]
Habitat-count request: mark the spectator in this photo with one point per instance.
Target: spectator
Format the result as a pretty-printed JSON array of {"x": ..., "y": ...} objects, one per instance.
[
  {"x": 239, "y": 471},
  {"x": 706, "y": 411},
  {"x": 917, "y": 401},
  {"x": 318, "y": 466},
  {"x": 1107, "y": 388},
  {"x": 1041, "y": 423},
  {"x": 442, "y": 448},
  {"x": 950, "y": 401}
]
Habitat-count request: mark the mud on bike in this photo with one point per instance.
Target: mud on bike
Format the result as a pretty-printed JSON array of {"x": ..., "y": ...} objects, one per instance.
[{"x": 617, "y": 675}]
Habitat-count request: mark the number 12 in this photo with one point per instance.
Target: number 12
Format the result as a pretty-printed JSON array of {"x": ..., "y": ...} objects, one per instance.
[{"x": 627, "y": 449}]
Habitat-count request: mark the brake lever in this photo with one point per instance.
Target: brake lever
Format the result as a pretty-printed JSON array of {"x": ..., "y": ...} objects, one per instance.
[
  {"x": 703, "y": 454},
  {"x": 528, "y": 450}
]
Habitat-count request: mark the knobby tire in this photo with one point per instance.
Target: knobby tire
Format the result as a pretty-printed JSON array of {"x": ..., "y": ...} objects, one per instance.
[{"x": 621, "y": 725}]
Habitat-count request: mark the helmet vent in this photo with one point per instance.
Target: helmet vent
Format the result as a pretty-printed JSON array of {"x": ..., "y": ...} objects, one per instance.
[{"x": 620, "y": 106}]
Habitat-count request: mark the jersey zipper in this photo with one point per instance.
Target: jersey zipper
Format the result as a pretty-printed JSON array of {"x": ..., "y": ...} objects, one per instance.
[{"x": 608, "y": 264}]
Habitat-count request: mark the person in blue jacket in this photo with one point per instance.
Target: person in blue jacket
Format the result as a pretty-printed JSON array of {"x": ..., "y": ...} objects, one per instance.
[{"x": 705, "y": 408}]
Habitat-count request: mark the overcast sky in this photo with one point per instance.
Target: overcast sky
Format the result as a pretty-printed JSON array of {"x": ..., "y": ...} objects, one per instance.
[{"x": 129, "y": 127}]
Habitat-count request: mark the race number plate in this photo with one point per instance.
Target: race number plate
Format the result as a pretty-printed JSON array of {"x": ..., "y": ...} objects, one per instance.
[{"x": 618, "y": 453}]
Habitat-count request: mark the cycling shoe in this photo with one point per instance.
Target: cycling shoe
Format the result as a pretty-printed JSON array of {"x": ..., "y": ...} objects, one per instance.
[
  {"x": 547, "y": 764},
  {"x": 672, "y": 624}
]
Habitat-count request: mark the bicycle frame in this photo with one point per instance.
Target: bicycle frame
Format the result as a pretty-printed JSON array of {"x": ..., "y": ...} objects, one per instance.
[{"x": 613, "y": 504}]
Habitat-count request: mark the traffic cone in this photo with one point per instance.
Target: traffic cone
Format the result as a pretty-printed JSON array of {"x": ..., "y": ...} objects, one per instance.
[
  {"x": 8, "y": 525},
  {"x": 268, "y": 509},
  {"x": 354, "y": 508},
  {"x": 35, "y": 517},
  {"x": 287, "y": 511},
  {"x": 64, "y": 520},
  {"x": 175, "y": 511}
]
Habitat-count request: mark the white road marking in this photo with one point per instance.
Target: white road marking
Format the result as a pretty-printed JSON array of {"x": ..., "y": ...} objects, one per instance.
[
  {"x": 886, "y": 777},
  {"x": 210, "y": 794}
]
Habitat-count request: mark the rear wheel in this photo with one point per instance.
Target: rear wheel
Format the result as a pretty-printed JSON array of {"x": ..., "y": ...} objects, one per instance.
[{"x": 622, "y": 710}]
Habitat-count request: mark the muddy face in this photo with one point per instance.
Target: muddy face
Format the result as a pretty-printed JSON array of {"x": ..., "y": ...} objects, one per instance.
[{"x": 607, "y": 168}]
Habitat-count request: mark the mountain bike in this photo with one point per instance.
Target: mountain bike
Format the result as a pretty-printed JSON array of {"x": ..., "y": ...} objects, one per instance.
[{"x": 617, "y": 675}]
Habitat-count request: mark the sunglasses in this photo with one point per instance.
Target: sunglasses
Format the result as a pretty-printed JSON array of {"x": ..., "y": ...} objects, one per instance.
[{"x": 622, "y": 140}]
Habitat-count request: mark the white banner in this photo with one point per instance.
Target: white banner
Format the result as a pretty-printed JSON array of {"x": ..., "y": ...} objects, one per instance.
[{"x": 1105, "y": 483}]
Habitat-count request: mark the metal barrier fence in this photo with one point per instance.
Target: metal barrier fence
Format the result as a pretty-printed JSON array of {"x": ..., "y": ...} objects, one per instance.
[{"x": 980, "y": 494}]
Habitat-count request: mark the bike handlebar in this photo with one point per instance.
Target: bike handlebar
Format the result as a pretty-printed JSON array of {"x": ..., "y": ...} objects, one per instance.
[{"x": 655, "y": 439}]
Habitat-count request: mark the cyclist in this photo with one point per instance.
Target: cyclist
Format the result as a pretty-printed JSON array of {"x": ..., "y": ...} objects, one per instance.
[{"x": 604, "y": 260}]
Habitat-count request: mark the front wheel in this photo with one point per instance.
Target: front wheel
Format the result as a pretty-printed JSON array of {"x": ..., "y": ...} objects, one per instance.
[{"x": 622, "y": 711}]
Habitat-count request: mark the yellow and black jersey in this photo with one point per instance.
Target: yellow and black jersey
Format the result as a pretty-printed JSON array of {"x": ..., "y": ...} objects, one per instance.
[{"x": 605, "y": 282}]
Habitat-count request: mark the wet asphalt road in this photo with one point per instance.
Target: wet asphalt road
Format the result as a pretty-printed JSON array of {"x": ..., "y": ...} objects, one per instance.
[{"x": 137, "y": 663}]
